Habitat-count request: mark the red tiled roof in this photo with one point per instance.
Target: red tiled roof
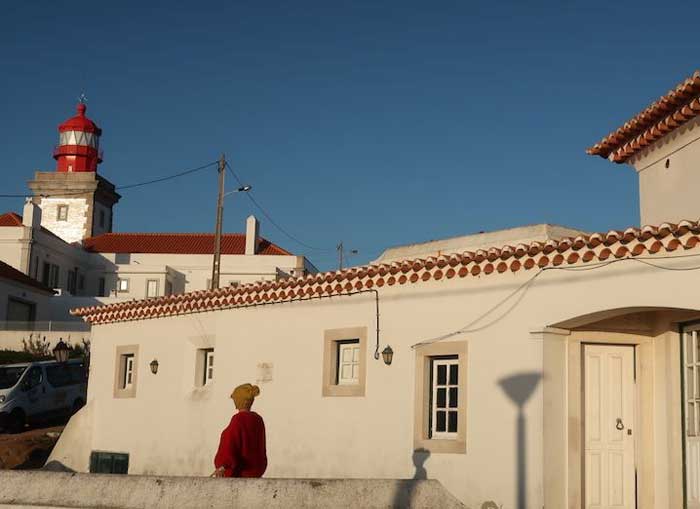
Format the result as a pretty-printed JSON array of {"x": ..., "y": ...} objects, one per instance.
[
  {"x": 580, "y": 250},
  {"x": 10, "y": 219},
  {"x": 175, "y": 243},
  {"x": 669, "y": 112},
  {"x": 9, "y": 272}
]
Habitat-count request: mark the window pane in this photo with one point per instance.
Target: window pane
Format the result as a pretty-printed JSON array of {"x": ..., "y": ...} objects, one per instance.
[
  {"x": 452, "y": 422},
  {"x": 689, "y": 347},
  {"x": 440, "y": 422},
  {"x": 441, "y": 374},
  {"x": 691, "y": 419},
  {"x": 690, "y": 383},
  {"x": 355, "y": 372},
  {"x": 697, "y": 346},
  {"x": 453, "y": 374},
  {"x": 453, "y": 397},
  {"x": 441, "y": 396},
  {"x": 356, "y": 354},
  {"x": 347, "y": 371},
  {"x": 347, "y": 354}
]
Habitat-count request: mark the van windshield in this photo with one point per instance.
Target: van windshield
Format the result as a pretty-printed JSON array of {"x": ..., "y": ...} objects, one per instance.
[{"x": 10, "y": 376}]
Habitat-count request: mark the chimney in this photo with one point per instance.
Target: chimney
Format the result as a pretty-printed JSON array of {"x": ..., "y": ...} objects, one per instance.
[
  {"x": 31, "y": 215},
  {"x": 252, "y": 232}
]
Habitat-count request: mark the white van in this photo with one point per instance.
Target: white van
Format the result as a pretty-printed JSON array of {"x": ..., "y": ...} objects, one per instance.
[{"x": 36, "y": 391}]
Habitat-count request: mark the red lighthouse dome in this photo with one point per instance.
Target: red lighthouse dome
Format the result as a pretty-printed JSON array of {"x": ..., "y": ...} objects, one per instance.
[{"x": 78, "y": 148}]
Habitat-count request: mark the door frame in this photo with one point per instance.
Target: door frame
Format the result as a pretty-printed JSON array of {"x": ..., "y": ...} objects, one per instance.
[{"x": 635, "y": 412}]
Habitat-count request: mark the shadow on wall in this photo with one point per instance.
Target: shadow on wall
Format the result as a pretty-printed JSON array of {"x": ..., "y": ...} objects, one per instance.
[
  {"x": 404, "y": 493},
  {"x": 519, "y": 389}
]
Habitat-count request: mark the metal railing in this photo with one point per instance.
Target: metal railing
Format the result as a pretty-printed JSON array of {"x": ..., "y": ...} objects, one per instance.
[{"x": 45, "y": 326}]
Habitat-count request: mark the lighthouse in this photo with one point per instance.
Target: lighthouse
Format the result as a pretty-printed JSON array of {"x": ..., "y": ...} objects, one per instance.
[
  {"x": 75, "y": 201},
  {"x": 78, "y": 149}
]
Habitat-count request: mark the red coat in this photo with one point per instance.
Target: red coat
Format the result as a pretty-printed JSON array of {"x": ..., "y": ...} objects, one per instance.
[{"x": 242, "y": 446}]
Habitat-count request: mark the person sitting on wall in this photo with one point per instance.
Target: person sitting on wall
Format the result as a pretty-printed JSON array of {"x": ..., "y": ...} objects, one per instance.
[{"x": 242, "y": 445}]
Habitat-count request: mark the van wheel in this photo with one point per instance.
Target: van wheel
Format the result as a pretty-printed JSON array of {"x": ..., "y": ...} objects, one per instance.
[
  {"x": 77, "y": 405},
  {"x": 16, "y": 421}
]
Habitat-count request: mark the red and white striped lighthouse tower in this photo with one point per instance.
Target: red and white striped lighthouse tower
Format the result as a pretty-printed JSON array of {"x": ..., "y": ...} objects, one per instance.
[{"x": 79, "y": 144}]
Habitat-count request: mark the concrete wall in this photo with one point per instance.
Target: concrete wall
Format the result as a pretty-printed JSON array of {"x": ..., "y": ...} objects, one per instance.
[
  {"x": 49, "y": 489},
  {"x": 371, "y": 436},
  {"x": 668, "y": 194}
]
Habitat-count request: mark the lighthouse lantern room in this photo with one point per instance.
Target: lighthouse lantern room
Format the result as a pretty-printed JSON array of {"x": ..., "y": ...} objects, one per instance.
[{"x": 79, "y": 144}]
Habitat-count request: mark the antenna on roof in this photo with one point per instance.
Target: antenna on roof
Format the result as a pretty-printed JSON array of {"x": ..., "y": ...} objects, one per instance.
[{"x": 82, "y": 99}]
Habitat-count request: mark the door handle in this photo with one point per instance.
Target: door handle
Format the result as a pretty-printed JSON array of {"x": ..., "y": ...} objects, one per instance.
[{"x": 619, "y": 424}]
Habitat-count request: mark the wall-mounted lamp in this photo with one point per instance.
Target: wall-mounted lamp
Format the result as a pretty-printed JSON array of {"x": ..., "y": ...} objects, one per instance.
[
  {"x": 154, "y": 366},
  {"x": 388, "y": 355},
  {"x": 61, "y": 351}
]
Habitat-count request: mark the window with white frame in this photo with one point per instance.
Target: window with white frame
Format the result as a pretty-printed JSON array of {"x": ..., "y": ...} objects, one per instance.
[
  {"x": 128, "y": 371},
  {"x": 122, "y": 285},
  {"x": 208, "y": 366},
  {"x": 62, "y": 214},
  {"x": 348, "y": 369},
  {"x": 444, "y": 398},
  {"x": 152, "y": 288}
]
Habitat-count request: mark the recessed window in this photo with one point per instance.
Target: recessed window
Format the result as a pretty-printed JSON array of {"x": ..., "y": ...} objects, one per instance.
[
  {"x": 126, "y": 371},
  {"x": 348, "y": 369},
  {"x": 102, "y": 218},
  {"x": 62, "y": 214},
  {"x": 101, "y": 287},
  {"x": 122, "y": 285},
  {"x": 440, "y": 397},
  {"x": 344, "y": 361},
  {"x": 152, "y": 288}
]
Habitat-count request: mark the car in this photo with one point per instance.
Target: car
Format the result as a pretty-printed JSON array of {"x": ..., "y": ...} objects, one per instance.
[{"x": 36, "y": 391}]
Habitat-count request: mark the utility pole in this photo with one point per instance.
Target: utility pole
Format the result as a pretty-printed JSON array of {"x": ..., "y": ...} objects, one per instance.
[
  {"x": 339, "y": 247},
  {"x": 216, "y": 268}
]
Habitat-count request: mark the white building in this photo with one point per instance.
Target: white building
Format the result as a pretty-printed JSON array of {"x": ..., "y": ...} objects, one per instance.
[
  {"x": 534, "y": 373},
  {"x": 65, "y": 240}
]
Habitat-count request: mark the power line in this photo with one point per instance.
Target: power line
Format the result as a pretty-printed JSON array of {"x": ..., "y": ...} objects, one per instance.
[
  {"x": 472, "y": 326},
  {"x": 128, "y": 186},
  {"x": 272, "y": 221}
]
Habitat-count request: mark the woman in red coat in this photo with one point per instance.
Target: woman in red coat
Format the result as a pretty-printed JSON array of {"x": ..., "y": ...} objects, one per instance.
[{"x": 242, "y": 445}]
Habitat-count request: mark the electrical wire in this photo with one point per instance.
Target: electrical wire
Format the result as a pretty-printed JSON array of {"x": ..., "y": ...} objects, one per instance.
[
  {"x": 470, "y": 327},
  {"x": 128, "y": 186},
  {"x": 272, "y": 221}
]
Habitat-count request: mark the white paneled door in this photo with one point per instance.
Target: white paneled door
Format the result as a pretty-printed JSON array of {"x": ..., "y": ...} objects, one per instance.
[
  {"x": 691, "y": 397},
  {"x": 609, "y": 475}
]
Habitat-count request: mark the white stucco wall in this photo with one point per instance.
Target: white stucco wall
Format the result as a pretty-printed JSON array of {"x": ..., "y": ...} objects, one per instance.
[
  {"x": 371, "y": 436},
  {"x": 74, "y": 228},
  {"x": 668, "y": 194}
]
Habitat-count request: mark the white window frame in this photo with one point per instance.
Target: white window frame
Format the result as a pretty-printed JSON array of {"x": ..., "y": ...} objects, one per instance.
[
  {"x": 128, "y": 379},
  {"x": 208, "y": 366},
  {"x": 119, "y": 285},
  {"x": 59, "y": 216},
  {"x": 447, "y": 409},
  {"x": 353, "y": 348},
  {"x": 148, "y": 282}
]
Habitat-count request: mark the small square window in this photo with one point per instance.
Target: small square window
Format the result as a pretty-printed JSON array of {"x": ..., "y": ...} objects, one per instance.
[
  {"x": 344, "y": 361},
  {"x": 62, "y": 214},
  {"x": 444, "y": 404},
  {"x": 122, "y": 285},
  {"x": 128, "y": 371},
  {"x": 152, "y": 287}
]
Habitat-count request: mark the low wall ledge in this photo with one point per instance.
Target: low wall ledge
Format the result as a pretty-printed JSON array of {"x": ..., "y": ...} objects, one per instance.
[{"x": 73, "y": 490}]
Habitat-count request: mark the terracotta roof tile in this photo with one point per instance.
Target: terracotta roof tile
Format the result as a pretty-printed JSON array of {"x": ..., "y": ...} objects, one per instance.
[
  {"x": 175, "y": 243},
  {"x": 10, "y": 219},
  {"x": 670, "y": 111},
  {"x": 9, "y": 272},
  {"x": 579, "y": 251}
]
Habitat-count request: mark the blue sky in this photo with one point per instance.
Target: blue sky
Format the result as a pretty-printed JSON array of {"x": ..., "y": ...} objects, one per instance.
[{"x": 375, "y": 123}]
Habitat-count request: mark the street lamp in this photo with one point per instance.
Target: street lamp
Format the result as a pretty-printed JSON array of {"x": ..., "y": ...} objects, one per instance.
[
  {"x": 61, "y": 351},
  {"x": 154, "y": 366},
  {"x": 242, "y": 189},
  {"x": 387, "y": 355}
]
